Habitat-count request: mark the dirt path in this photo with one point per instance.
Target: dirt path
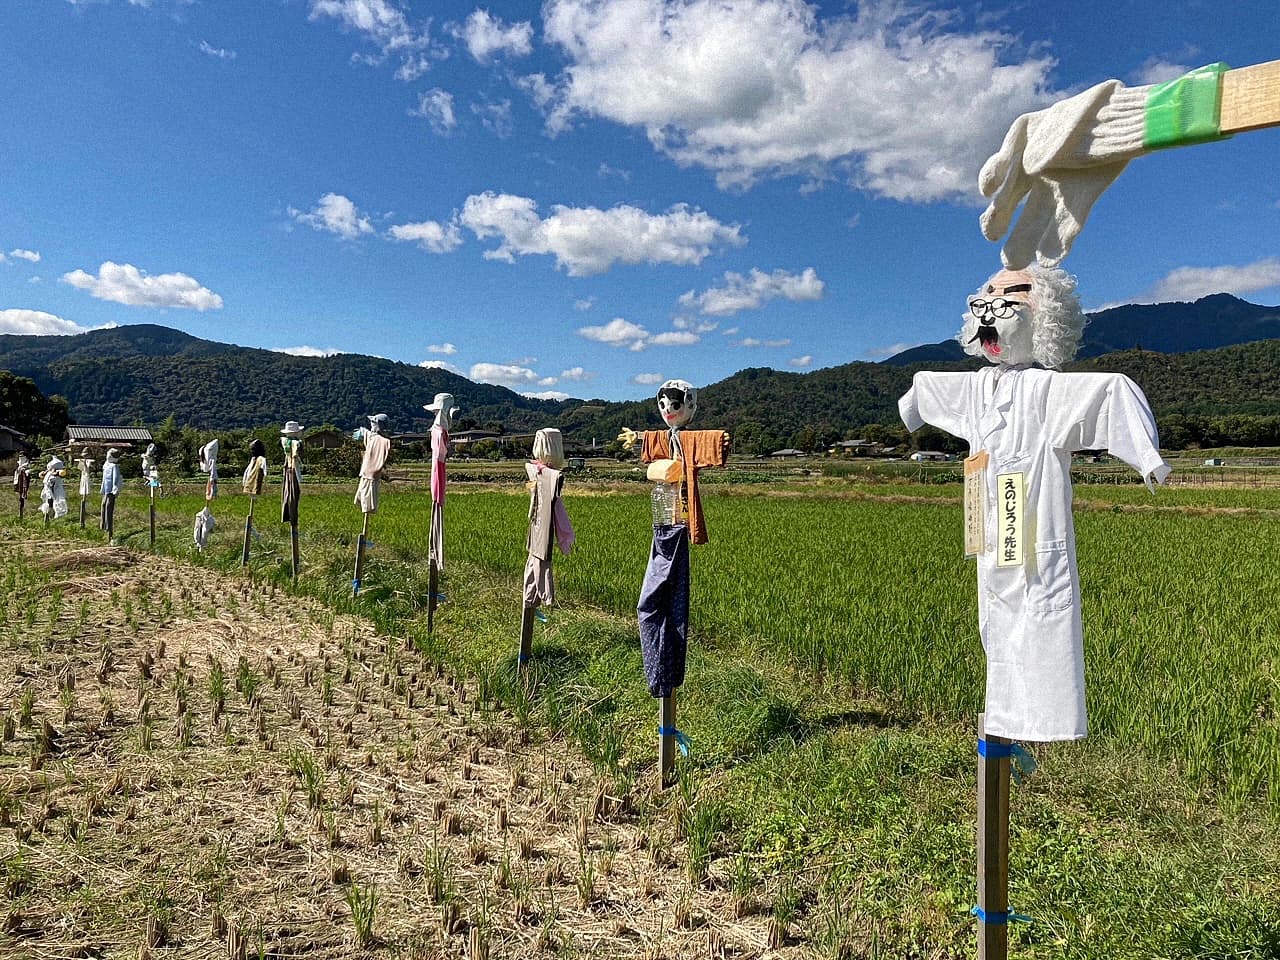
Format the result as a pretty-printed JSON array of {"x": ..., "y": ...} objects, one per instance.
[{"x": 195, "y": 765}]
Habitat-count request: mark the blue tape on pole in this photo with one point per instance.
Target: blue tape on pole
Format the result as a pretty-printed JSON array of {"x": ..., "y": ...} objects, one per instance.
[
  {"x": 524, "y": 657},
  {"x": 1024, "y": 764},
  {"x": 540, "y": 616},
  {"x": 999, "y": 918},
  {"x": 439, "y": 596},
  {"x": 994, "y": 751},
  {"x": 682, "y": 741},
  {"x": 355, "y": 586}
]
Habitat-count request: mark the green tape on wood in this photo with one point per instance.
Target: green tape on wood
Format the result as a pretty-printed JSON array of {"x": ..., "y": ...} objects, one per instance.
[{"x": 1186, "y": 110}]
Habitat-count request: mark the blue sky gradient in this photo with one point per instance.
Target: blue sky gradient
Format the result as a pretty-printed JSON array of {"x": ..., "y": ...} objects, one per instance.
[{"x": 583, "y": 198}]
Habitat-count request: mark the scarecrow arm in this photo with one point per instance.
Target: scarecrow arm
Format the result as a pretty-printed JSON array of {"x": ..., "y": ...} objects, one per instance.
[{"x": 1061, "y": 159}]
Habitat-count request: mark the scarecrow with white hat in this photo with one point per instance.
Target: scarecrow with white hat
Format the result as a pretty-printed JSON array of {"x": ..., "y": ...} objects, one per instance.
[
  {"x": 85, "y": 463},
  {"x": 675, "y": 456},
  {"x": 377, "y": 448},
  {"x": 291, "y": 489},
  {"x": 151, "y": 474},
  {"x": 53, "y": 495},
  {"x": 548, "y": 524},
  {"x": 22, "y": 482},
  {"x": 442, "y": 406},
  {"x": 110, "y": 488},
  {"x": 204, "y": 524},
  {"x": 255, "y": 475}
]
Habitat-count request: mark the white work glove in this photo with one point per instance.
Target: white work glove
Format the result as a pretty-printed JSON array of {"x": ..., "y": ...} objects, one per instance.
[
  {"x": 1063, "y": 157},
  {"x": 628, "y": 437}
]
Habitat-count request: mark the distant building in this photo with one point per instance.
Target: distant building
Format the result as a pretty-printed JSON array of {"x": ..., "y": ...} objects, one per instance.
[
  {"x": 855, "y": 448},
  {"x": 324, "y": 439},
  {"x": 124, "y": 438},
  {"x": 10, "y": 439},
  {"x": 1215, "y": 462},
  {"x": 923, "y": 456},
  {"x": 787, "y": 452}
]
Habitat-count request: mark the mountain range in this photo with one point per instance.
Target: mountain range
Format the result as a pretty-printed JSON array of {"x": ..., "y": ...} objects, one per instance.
[{"x": 1215, "y": 356}]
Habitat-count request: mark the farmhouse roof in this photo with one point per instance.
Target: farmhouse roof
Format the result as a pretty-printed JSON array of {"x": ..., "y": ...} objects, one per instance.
[
  {"x": 82, "y": 433},
  {"x": 12, "y": 431}
]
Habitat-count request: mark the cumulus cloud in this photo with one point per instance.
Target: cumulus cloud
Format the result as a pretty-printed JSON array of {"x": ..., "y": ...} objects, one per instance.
[
  {"x": 125, "y": 283},
  {"x": 218, "y": 53},
  {"x": 412, "y": 67},
  {"x": 448, "y": 349},
  {"x": 893, "y": 96},
  {"x": 379, "y": 20},
  {"x": 697, "y": 326},
  {"x": 305, "y": 351},
  {"x": 37, "y": 323},
  {"x": 673, "y": 338},
  {"x": 509, "y": 375},
  {"x": 335, "y": 214},
  {"x": 487, "y": 36},
  {"x": 801, "y": 362},
  {"x": 429, "y": 234},
  {"x": 753, "y": 290},
  {"x": 31, "y": 256},
  {"x": 546, "y": 395},
  {"x": 754, "y": 342},
  {"x": 1192, "y": 283},
  {"x": 647, "y": 379},
  {"x": 577, "y": 374},
  {"x": 588, "y": 240},
  {"x": 617, "y": 333},
  {"x": 440, "y": 365},
  {"x": 495, "y": 117},
  {"x": 436, "y": 107}
]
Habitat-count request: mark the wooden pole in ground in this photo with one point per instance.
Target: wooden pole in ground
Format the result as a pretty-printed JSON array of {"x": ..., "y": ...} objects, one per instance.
[
  {"x": 359, "y": 571},
  {"x": 153, "y": 515},
  {"x": 433, "y": 588},
  {"x": 993, "y": 846},
  {"x": 22, "y": 508},
  {"x": 526, "y": 635},
  {"x": 248, "y": 529},
  {"x": 667, "y": 739},
  {"x": 84, "y": 511},
  {"x": 48, "y": 514},
  {"x": 293, "y": 541}
]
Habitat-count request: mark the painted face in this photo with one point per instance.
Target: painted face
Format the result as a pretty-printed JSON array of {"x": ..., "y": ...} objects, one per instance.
[
  {"x": 677, "y": 402},
  {"x": 998, "y": 323}
]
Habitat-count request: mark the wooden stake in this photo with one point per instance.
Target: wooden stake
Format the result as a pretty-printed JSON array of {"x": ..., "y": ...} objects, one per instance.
[
  {"x": 667, "y": 741},
  {"x": 22, "y": 508},
  {"x": 359, "y": 571},
  {"x": 526, "y": 635},
  {"x": 48, "y": 514},
  {"x": 433, "y": 585},
  {"x": 293, "y": 541},
  {"x": 248, "y": 529},
  {"x": 1250, "y": 98},
  {"x": 993, "y": 849},
  {"x": 84, "y": 511},
  {"x": 153, "y": 516}
]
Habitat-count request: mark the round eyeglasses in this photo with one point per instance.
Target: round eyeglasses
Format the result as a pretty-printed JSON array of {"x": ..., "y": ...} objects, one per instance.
[{"x": 998, "y": 309}]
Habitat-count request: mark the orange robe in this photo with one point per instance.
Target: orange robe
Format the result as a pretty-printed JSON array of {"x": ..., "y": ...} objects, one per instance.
[{"x": 701, "y": 448}]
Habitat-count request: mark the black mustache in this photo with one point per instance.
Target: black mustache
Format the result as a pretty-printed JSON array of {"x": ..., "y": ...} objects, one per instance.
[{"x": 986, "y": 335}]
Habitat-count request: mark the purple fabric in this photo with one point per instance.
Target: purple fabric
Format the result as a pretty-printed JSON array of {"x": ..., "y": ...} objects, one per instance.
[{"x": 663, "y": 609}]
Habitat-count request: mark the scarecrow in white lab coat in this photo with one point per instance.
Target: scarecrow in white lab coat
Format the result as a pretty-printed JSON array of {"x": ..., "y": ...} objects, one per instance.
[
  {"x": 85, "y": 463},
  {"x": 53, "y": 493},
  {"x": 377, "y": 448},
  {"x": 22, "y": 482},
  {"x": 204, "y": 524},
  {"x": 442, "y": 406},
  {"x": 548, "y": 524},
  {"x": 110, "y": 488},
  {"x": 1022, "y": 424}
]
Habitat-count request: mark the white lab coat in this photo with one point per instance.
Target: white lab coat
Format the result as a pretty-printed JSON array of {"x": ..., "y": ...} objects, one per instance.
[
  {"x": 1029, "y": 421},
  {"x": 203, "y": 527},
  {"x": 110, "y": 478},
  {"x": 377, "y": 449}
]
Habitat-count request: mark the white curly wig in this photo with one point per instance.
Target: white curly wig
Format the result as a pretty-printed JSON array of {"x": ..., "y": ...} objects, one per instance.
[{"x": 1057, "y": 319}]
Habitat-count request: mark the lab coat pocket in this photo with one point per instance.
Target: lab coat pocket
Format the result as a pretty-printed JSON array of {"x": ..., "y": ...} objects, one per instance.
[{"x": 1049, "y": 580}]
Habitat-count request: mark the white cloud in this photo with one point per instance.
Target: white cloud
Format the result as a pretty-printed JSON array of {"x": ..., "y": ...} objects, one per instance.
[
  {"x": 588, "y": 240},
  {"x": 33, "y": 280},
  {"x": 448, "y": 349},
  {"x": 546, "y": 395},
  {"x": 586, "y": 303},
  {"x": 729, "y": 331},
  {"x": 495, "y": 117},
  {"x": 305, "y": 351},
  {"x": 486, "y": 36},
  {"x": 752, "y": 291},
  {"x": 37, "y": 323},
  {"x": 508, "y": 375},
  {"x": 335, "y": 214},
  {"x": 753, "y": 342},
  {"x": 647, "y": 379},
  {"x": 429, "y": 234},
  {"x": 801, "y": 362},
  {"x": 125, "y": 283},
  {"x": 436, "y": 107},
  {"x": 31, "y": 256},
  {"x": 617, "y": 333},
  {"x": 577, "y": 374},
  {"x": 540, "y": 90},
  {"x": 412, "y": 67},
  {"x": 766, "y": 88},
  {"x": 440, "y": 365},
  {"x": 1192, "y": 283},
  {"x": 605, "y": 170},
  {"x": 219, "y": 53},
  {"x": 673, "y": 338},
  {"x": 1158, "y": 69},
  {"x": 877, "y": 353},
  {"x": 381, "y": 21}
]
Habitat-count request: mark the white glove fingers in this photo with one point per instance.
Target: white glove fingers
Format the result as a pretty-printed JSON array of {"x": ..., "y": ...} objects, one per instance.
[
  {"x": 1036, "y": 218},
  {"x": 1002, "y": 164},
  {"x": 995, "y": 220}
]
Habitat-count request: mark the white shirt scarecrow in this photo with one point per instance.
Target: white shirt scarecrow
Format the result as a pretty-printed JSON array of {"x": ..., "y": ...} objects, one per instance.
[
  {"x": 53, "y": 494},
  {"x": 209, "y": 465},
  {"x": 442, "y": 406},
  {"x": 22, "y": 476},
  {"x": 1022, "y": 424},
  {"x": 110, "y": 488},
  {"x": 377, "y": 448},
  {"x": 548, "y": 520},
  {"x": 85, "y": 463},
  {"x": 150, "y": 472}
]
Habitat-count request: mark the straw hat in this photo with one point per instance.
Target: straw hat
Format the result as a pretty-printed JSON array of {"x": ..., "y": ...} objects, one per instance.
[
  {"x": 293, "y": 429},
  {"x": 441, "y": 401},
  {"x": 379, "y": 421}
]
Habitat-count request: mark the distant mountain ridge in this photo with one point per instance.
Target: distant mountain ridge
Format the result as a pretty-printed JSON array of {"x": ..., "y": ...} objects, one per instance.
[{"x": 1190, "y": 358}]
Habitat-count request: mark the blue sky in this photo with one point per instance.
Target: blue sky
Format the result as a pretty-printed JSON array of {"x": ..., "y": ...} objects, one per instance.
[{"x": 582, "y": 197}]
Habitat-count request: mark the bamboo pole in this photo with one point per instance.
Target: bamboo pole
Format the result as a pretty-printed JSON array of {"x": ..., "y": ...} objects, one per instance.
[
  {"x": 993, "y": 846},
  {"x": 359, "y": 571},
  {"x": 248, "y": 529}
]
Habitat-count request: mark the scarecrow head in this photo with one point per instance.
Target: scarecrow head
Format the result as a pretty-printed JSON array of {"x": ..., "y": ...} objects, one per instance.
[
  {"x": 379, "y": 423},
  {"x": 292, "y": 430},
  {"x": 1026, "y": 316},
  {"x": 548, "y": 447},
  {"x": 257, "y": 448},
  {"x": 113, "y": 455},
  {"x": 442, "y": 406},
  {"x": 23, "y": 461},
  {"x": 677, "y": 402},
  {"x": 209, "y": 456}
]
